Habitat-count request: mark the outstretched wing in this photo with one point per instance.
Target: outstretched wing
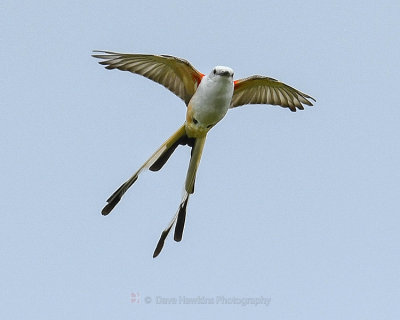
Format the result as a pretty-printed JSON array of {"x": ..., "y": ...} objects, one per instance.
[
  {"x": 176, "y": 74},
  {"x": 264, "y": 90}
]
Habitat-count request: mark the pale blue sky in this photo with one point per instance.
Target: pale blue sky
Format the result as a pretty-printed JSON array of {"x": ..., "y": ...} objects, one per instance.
[{"x": 300, "y": 208}]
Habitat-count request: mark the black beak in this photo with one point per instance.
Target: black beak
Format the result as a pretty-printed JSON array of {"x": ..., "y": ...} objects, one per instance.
[{"x": 225, "y": 74}]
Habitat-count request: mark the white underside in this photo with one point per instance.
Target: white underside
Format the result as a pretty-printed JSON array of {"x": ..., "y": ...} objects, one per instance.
[{"x": 212, "y": 99}]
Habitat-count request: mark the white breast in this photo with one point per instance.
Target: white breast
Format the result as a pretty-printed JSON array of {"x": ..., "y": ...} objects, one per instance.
[{"x": 212, "y": 99}]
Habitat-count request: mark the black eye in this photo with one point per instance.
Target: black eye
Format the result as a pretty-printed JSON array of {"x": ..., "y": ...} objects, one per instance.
[
  {"x": 215, "y": 71},
  {"x": 195, "y": 121}
]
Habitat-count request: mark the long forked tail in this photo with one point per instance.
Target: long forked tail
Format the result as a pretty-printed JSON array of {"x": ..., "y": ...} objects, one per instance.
[
  {"x": 154, "y": 163},
  {"x": 180, "y": 216}
]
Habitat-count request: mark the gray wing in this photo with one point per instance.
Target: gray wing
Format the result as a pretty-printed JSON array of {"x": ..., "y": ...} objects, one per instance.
[
  {"x": 264, "y": 90},
  {"x": 176, "y": 74}
]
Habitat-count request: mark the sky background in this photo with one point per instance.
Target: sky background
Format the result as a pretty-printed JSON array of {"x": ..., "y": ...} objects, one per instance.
[{"x": 301, "y": 209}]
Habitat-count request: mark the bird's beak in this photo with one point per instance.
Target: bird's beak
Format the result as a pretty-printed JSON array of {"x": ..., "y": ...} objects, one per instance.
[{"x": 225, "y": 74}]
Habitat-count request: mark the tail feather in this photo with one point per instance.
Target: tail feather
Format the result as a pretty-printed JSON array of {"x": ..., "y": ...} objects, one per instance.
[
  {"x": 163, "y": 158},
  {"x": 164, "y": 234},
  {"x": 157, "y": 160},
  {"x": 180, "y": 216},
  {"x": 117, "y": 195},
  {"x": 155, "y": 163},
  {"x": 180, "y": 220},
  {"x": 160, "y": 243},
  {"x": 197, "y": 151}
]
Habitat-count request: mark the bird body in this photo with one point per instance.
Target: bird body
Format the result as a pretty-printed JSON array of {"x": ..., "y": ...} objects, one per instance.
[
  {"x": 210, "y": 102},
  {"x": 208, "y": 98}
]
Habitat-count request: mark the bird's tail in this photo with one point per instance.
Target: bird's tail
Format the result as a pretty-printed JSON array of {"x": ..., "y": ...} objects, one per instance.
[
  {"x": 154, "y": 163},
  {"x": 180, "y": 216}
]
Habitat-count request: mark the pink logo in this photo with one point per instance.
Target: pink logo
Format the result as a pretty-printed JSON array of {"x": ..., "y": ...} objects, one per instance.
[{"x": 135, "y": 297}]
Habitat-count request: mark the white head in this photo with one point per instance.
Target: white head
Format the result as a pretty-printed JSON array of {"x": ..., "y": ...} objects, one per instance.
[{"x": 221, "y": 71}]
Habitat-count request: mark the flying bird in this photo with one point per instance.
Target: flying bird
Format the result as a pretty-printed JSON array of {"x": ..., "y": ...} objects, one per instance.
[{"x": 208, "y": 98}]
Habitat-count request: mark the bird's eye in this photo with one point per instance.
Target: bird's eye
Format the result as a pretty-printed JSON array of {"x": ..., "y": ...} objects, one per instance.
[
  {"x": 195, "y": 121},
  {"x": 215, "y": 71}
]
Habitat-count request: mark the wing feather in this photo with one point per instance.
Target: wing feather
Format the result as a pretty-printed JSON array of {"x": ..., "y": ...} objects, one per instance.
[
  {"x": 264, "y": 90},
  {"x": 176, "y": 74}
]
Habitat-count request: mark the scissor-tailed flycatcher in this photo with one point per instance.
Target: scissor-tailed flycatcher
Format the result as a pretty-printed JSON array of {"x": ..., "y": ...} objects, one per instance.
[{"x": 208, "y": 98}]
